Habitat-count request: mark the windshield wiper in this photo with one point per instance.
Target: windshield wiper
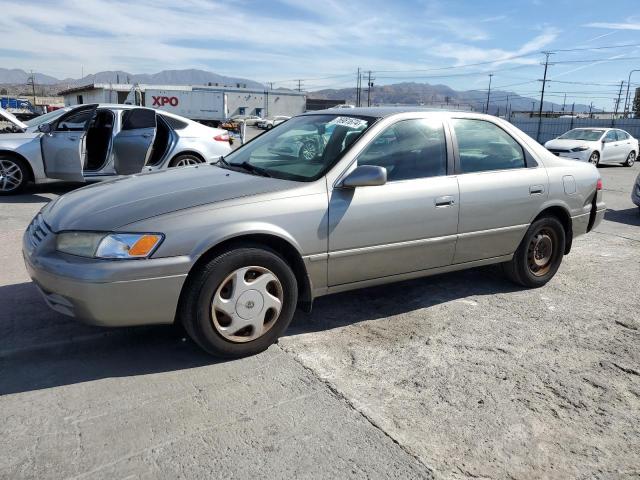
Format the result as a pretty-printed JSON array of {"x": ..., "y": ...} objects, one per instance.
[
  {"x": 222, "y": 163},
  {"x": 252, "y": 169}
]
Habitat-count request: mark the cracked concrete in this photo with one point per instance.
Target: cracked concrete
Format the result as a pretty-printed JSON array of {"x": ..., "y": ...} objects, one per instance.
[{"x": 457, "y": 376}]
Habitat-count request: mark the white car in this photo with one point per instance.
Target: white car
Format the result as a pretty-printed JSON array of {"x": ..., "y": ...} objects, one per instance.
[
  {"x": 248, "y": 120},
  {"x": 269, "y": 123},
  {"x": 98, "y": 142},
  {"x": 596, "y": 145}
]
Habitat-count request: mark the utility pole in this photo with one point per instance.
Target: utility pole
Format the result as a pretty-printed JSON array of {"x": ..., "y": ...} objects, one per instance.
[
  {"x": 32, "y": 81},
  {"x": 271, "y": 85},
  {"x": 299, "y": 85},
  {"x": 489, "y": 91},
  {"x": 544, "y": 83},
  {"x": 618, "y": 100},
  {"x": 564, "y": 102},
  {"x": 590, "y": 110},
  {"x": 358, "y": 82},
  {"x": 627, "y": 104},
  {"x": 369, "y": 87}
]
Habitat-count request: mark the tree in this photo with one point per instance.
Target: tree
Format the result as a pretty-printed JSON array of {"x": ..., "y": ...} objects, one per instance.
[
  {"x": 3, "y": 91},
  {"x": 636, "y": 103}
]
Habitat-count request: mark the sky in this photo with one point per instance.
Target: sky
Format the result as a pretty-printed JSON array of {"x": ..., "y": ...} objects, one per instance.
[{"x": 324, "y": 42}]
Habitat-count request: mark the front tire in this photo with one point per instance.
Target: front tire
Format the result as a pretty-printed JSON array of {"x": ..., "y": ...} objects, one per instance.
[
  {"x": 539, "y": 255},
  {"x": 185, "y": 160},
  {"x": 631, "y": 159},
  {"x": 14, "y": 175},
  {"x": 594, "y": 159},
  {"x": 240, "y": 302}
]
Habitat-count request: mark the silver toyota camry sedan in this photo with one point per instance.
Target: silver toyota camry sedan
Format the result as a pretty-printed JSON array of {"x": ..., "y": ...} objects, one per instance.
[
  {"x": 231, "y": 249},
  {"x": 97, "y": 142}
]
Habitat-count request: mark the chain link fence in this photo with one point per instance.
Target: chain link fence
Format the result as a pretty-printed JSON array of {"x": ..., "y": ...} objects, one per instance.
[{"x": 553, "y": 127}]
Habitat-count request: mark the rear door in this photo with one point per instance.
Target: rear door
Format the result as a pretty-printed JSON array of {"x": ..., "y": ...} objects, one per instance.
[
  {"x": 611, "y": 147},
  {"x": 626, "y": 145},
  {"x": 133, "y": 143},
  {"x": 64, "y": 148},
  {"x": 501, "y": 189}
]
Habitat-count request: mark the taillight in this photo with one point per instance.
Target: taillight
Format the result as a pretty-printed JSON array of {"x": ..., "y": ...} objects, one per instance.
[
  {"x": 223, "y": 137},
  {"x": 599, "y": 184}
]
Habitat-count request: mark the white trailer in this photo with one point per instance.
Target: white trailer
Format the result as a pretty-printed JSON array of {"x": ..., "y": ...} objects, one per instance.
[{"x": 206, "y": 106}]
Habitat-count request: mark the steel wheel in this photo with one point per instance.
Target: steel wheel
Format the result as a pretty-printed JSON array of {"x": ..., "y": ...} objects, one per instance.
[
  {"x": 308, "y": 151},
  {"x": 11, "y": 175},
  {"x": 247, "y": 304},
  {"x": 631, "y": 158},
  {"x": 540, "y": 252},
  {"x": 594, "y": 158}
]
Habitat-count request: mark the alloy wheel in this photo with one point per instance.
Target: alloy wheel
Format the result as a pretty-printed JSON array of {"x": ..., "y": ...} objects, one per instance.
[
  {"x": 594, "y": 158},
  {"x": 187, "y": 161},
  {"x": 631, "y": 159},
  {"x": 308, "y": 151},
  {"x": 247, "y": 304},
  {"x": 11, "y": 176}
]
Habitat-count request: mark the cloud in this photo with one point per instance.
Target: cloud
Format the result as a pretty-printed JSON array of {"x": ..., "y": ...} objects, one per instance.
[{"x": 629, "y": 25}]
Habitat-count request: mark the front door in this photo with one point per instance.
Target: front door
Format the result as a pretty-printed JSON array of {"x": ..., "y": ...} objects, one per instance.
[
  {"x": 132, "y": 145},
  {"x": 501, "y": 189},
  {"x": 407, "y": 225},
  {"x": 64, "y": 148}
]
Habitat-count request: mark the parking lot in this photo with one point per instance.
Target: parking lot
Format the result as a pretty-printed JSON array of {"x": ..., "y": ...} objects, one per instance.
[{"x": 462, "y": 375}]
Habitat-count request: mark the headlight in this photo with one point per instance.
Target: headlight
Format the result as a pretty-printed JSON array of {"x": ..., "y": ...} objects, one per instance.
[
  {"x": 113, "y": 245},
  {"x": 579, "y": 149}
]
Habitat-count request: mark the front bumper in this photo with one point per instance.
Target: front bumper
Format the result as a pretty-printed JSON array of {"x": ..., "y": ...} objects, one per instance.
[
  {"x": 580, "y": 156},
  {"x": 105, "y": 292}
]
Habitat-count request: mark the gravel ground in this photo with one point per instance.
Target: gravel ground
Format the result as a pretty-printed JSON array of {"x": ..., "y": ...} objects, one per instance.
[{"x": 456, "y": 376}]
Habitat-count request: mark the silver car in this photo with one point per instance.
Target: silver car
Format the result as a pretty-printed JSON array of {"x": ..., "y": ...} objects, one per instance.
[
  {"x": 596, "y": 145},
  {"x": 635, "y": 192},
  {"x": 98, "y": 142},
  {"x": 230, "y": 250}
]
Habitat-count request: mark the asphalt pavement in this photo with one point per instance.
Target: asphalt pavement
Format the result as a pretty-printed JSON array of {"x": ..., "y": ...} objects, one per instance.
[{"x": 462, "y": 375}]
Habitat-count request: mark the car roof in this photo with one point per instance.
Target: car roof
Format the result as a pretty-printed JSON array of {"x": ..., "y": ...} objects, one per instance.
[{"x": 381, "y": 112}]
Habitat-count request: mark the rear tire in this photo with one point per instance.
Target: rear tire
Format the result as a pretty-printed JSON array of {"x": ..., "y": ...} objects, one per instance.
[
  {"x": 185, "y": 160},
  {"x": 230, "y": 305},
  {"x": 14, "y": 175},
  {"x": 539, "y": 255},
  {"x": 631, "y": 159}
]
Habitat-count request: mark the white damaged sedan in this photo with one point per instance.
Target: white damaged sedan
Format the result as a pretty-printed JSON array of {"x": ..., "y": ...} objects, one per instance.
[{"x": 596, "y": 145}]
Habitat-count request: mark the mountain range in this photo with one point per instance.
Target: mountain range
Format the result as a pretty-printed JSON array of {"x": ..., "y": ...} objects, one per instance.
[
  {"x": 406, "y": 93},
  {"x": 165, "y": 77}
]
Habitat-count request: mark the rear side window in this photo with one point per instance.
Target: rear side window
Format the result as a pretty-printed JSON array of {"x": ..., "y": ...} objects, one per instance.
[
  {"x": 174, "y": 122},
  {"x": 409, "y": 149},
  {"x": 622, "y": 135},
  {"x": 484, "y": 146},
  {"x": 138, "y": 118}
]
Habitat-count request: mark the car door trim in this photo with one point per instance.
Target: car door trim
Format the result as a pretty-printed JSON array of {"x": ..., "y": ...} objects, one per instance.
[
  {"x": 392, "y": 246},
  {"x": 482, "y": 233}
]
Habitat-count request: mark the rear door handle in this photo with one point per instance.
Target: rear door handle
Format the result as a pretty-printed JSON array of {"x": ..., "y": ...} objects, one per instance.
[
  {"x": 444, "y": 201},
  {"x": 72, "y": 139},
  {"x": 536, "y": 189}
]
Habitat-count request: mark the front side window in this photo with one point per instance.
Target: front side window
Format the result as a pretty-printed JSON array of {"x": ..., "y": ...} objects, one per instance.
[
  {"x": 610, "y": 136},
  {"x": 484, "y": 146},
  {"x": 409, "y": 149},
  {"x": 302, "y": 149},
  {"x": 75, "y": 122}
]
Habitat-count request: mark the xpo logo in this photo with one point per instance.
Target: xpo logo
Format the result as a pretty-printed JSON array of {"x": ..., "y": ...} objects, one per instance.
[{"x": 162, "y": 101}]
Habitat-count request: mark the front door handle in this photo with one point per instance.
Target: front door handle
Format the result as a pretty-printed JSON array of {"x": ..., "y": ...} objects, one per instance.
[
  {"x": 72, "y": 139},
  {"x": 536, "y": 189},
  {"x": 444, "y": 201}
]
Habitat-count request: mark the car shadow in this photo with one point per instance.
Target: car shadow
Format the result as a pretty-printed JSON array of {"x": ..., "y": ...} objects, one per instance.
[
  {"x": 628, "y": 216},
  {"x": 42, "y": 349},
  {"x": 37, "y": 193}
]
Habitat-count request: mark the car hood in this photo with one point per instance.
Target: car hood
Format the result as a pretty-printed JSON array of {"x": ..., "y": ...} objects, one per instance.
[
  {"x": 109, "y": 205},
  {"x": 567, "y": 144},
  {"x": 10, "y": 117}
]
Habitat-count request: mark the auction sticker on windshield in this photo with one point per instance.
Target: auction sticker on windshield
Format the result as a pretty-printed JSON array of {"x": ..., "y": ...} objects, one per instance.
[{"x": 351, "y": 122}]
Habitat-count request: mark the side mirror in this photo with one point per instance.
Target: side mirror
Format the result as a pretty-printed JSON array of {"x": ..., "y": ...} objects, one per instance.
[
  {"x": 366, "y": 176},
  {"x": 44, "y": 128}
]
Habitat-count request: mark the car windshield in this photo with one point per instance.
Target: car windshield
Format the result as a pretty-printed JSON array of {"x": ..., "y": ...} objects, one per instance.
[
  {"x": 302, "y": 149},
  {"x": 582, "y": 134},
  {"x": 47, "y": 117}
]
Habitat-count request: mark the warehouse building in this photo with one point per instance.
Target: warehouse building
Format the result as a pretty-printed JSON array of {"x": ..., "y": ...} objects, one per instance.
[{"x": 209, "y": 104}]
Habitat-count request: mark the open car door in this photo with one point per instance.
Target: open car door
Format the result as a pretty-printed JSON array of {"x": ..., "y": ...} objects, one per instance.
[
  {"x": 132, "y": 145},
  {"x": 64, "y": 146}
]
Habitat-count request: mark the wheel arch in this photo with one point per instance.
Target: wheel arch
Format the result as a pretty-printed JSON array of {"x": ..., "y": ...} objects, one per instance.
[
  {"x": 195, "y": 153},
  {"x": 562, "y": 214},
  {"x": 283, "y": 246},
  {"x": 10, "y": 153}
]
